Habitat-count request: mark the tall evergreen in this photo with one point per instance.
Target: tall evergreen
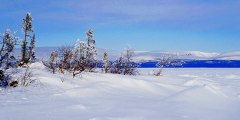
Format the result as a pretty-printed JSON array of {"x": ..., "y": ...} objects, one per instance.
[
  {"x": 91, "y": 51},
  {"x": 28, "y": 36},
  {"x": 106, "y": 66},
  {"x": 32, "y": 56}
]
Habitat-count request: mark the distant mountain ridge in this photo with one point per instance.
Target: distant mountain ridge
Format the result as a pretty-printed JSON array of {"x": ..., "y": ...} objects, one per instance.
[{"x": 143, "y": 56}]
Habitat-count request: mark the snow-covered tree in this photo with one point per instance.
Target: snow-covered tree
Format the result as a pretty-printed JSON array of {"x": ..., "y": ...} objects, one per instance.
[
  {"x": 28, "y": 36},
  {"x": 79, "y": 59},
  {"x": 91, "y": 51},
  {"x": 118, "y": 66},
  {"x": 129, "y": 65},
  {"x": 6, "y": 51},
  {"x": 106, "y": 63},
  {"x": 32, "y": 57},
  {"x": 80, "y": 51}
]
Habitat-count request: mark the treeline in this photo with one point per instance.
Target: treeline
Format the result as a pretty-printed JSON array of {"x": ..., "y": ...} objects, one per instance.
[{"x": 82, "y": 58}]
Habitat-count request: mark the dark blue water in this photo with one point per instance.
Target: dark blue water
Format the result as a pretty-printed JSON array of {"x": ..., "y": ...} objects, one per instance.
[{"x": 199, "y": 64}]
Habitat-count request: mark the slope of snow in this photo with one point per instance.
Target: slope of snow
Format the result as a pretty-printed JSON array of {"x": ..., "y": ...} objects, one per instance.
[{"x": 181, "y": 94}]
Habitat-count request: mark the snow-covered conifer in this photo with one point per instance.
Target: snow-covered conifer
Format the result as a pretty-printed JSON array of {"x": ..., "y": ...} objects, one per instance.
[
  {"x": 91, "y": 51},
  {"x": 6, "y": 51},
  {"x": 130, "y": 68},
  {"x": 106, "y": 64},
  {"x": 28, "y": 35},
  {"x": 79, "y": 61},
  {"x": 32, "y": 57}
]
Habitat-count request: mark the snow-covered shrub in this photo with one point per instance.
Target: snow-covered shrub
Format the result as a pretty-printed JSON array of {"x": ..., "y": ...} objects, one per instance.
[
  {"x": 166, "y": 61},
  {"x": 26, "y": 78},
  {"x": 125, "y": 64},
  {"x": 118, "y": 66},
  {"x": 52, "y": 62},
  {"x": 65, "y": 59}
]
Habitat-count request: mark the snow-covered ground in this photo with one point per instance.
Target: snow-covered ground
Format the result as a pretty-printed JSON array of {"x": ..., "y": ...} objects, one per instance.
[{"x": 180, "y": 94}]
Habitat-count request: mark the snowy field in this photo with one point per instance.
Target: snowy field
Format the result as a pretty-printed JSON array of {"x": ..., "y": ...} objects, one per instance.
[{"x": 180, "y": 94}]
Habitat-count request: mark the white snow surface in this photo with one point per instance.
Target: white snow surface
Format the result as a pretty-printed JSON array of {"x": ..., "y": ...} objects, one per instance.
[{"x": 180, "y": 94}]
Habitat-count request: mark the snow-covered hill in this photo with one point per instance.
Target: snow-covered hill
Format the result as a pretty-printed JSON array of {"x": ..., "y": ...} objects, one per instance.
[
  {"x": 180, "y": 94},
  {"x": 193, "y": 55},
  {"x": 234, "y": 55}
]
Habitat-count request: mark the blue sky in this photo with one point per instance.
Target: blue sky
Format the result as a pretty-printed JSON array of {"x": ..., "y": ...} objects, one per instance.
[{"x": 201, "y": 25}]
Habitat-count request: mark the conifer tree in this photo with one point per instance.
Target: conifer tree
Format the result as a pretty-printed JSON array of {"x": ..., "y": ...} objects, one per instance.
[
  {"x": 8, "y": 42},
  {"x": 28, "y": 35},
  {"x": 32, "y": 57},
  {"x": 80, "y": 50},
  {"x": 91, "y": 51},
  {"x": 106, "y": 66},
  {"x": 79, "y": 59},
  {"x": 129, "y": 65}
]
